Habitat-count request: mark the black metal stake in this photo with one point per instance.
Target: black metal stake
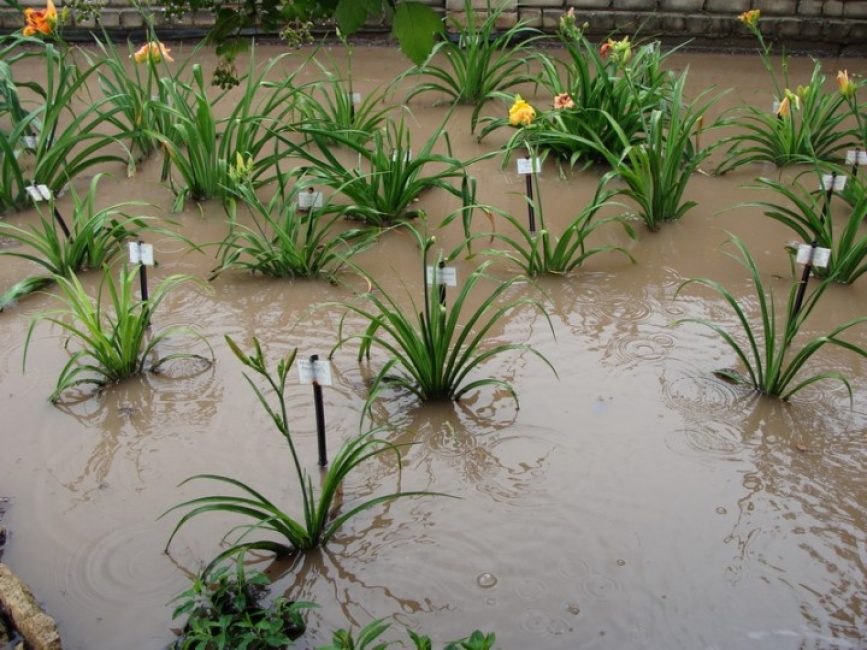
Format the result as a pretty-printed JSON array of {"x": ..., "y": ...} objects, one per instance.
[
  {"x": 143, "y": 282},
  {"x": 855, "y": 162},
  {"x": 442, "y": 284},
  {"x": 531, "y": 213},
  {"x": 60, "y": 221},
  {"x": 808, "y": 267},
  {"x": 320, "y": 413}
]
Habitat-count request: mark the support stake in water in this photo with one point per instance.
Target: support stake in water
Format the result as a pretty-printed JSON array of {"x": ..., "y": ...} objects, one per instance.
[
  {"x": 812, "y": 255},
  {"x": 318, "y": 373},
  {"x": 143, "y": 255},
  {"x": 527, "y": 167}
]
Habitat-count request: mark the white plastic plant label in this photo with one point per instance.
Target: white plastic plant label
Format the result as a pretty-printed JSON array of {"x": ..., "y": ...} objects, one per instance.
[
  {"x": 447, "y": 275},
  {"x": 830, "y": 182},
  {"x": 407, "y": 156},
  {"x": 309, "y": 198},
  {"x": 39, "y": 193},
  {"x": 775, "y": 106},
  {"x": 141, "y": 253},
  {"x": 818, "y": 257},
  {"x": 356, "y": 98},
  {"x": 318, "y": 371},
  {"x": 29, "y": 141},
  {"x": 856, "y": 157},
  {"x": 529, "y": 166}
]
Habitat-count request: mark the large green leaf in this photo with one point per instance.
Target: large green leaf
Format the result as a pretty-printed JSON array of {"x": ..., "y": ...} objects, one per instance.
[
  {"x": 350, "y": 15},
  {"x": 414, "y": 27}
]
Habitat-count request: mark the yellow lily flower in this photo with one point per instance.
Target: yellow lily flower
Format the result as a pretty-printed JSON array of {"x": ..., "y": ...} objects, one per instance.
[
  {"x": 750, "y": 18},
  {"x": 153, "y": 51},
  {"x": 521, "y": 113}
]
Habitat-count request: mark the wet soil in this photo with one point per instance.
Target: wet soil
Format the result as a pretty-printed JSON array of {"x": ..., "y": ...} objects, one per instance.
[{"x": 633, "y": 501}]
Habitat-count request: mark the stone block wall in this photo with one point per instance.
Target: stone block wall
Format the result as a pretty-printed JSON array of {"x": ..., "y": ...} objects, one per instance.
[{"x": 835, "y": 26}]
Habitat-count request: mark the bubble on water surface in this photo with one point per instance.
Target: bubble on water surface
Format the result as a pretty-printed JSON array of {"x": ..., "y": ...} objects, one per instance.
[{"x": 486, "y": 580}]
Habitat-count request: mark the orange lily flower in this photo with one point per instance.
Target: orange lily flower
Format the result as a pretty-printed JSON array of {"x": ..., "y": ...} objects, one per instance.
[
  {"x": 40, "y": 21},
  {"x": 563, "y": 101},
  {"x": 750, "y": 18},
  {"x": 153, "y": 51}
]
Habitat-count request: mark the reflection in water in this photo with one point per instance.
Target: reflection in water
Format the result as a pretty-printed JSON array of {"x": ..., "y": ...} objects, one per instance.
[{"x": 134, "y": 416}]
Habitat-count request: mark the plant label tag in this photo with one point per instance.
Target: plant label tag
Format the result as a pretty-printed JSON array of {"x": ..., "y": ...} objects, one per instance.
[
  {"x": 833, "y": 183},
  {"x": 447, "y": 275},
  {"x": 356, "y": 98},
  {"x": 775, "y": 106},
  {"x": 39, "y": 193},
  {"x": 309, "y": 199},
  {"x": 141, "y": 253},
  {"x": 818, "y": 257},
  {"x": 407, "y": 156},
  {"x": 316, "y": 371},
  {"x": 29, "y": 141},
  {"x": 529, "y": 166},
  {"x": 856, "y": 157}
]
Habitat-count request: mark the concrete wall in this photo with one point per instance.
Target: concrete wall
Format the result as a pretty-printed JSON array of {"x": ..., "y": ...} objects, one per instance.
[{"x": 822, "y": 25}]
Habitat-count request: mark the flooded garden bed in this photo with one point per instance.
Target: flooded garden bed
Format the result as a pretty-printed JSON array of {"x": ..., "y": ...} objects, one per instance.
[{"x": 611, "y": 487}]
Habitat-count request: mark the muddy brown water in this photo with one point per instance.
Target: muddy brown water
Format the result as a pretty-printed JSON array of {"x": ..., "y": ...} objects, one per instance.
[{"x": 634, "y": 501}]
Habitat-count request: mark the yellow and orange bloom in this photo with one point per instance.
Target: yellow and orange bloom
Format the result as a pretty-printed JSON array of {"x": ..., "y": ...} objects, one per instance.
[
  {"x": 750, "y": 18},
  {"x": 153, "y": 51},
  {"x": 846, "y": 85},
  {"x": 563, "y": 101},
  {"x": 521, "y": 113},
  {"x": 784, "y": 108},
  {"x": 40, "y": 21}
]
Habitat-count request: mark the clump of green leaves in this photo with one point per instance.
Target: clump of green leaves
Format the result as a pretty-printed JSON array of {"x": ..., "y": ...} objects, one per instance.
[
  {"x": 214, "y": 155},
  {"x": 389, "y": 174},
  {"x": 542, "y": 252},
  {"x": 434, "y": 349},
  {"x": 58, "y": 139},
  {"x": 321, "y": 517},
  {"x": 109, "y": 342},
  {"x": 481, "y": 63},
  {"x": 595, "y": 88},
  {"x": 95, "y": 236},
  {"x": 284, "y": 241},
  {"x": 225, "y": 609},
  {"x": 805, "y": 212},
  {"x": 657, "y": 170},
  {"x": 769, "y": 357},
  {"x": 368, "y": 639}
]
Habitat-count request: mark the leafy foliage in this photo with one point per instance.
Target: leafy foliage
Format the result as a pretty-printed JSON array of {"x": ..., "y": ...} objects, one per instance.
[
  {"x": 320, "y": 519},
  {"x": 481, "y": 64},
  {"x": 772, "y": 363},
  {"x": 389, "y": 175},
  {"x": 432, "y": 352},
  {"x": 67, "y": 139},
  {"x": 111, "y": 346},
  {"x": 284, "y": 241},
  {"x": 213, "y": 156},
  {"x": 657, "y": 170},
  {"x": 368, "y": 639},
  {"x": 806, "y": 127},
  {"x": 541, "y": 252},
  {"x": 95, "y": 236},
  {"x": 603, "y": 91},
  {"x": 225, "y": 610},
  {"x": 804, "y": 212},
  {"x": 413, "y": 23}
]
